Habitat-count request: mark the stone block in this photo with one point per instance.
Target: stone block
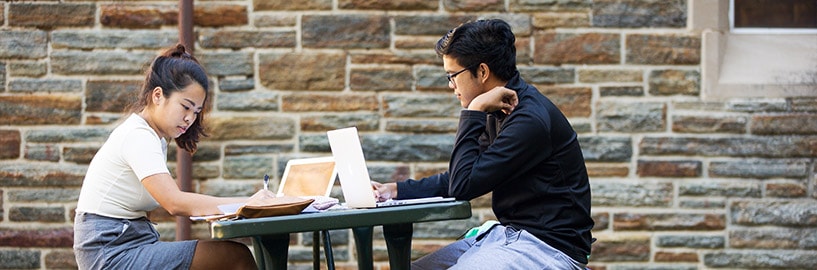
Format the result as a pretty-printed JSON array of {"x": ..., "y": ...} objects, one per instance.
[
  {"x": 764, "y": 259},
  {"x": 40, "y": 109},
  {"x": 45, "y": 86},
  {"x": 227, "y": 63},
  {"x": 422, "y": 126},
  {"x": 302, "y": 71},
  {"x": 20, "y": 258},
  {"x": 10, "y": 144},
  {"x": 669, "y": 168},
  {"x": 60, "y": 259},
  {"x": 329, "y": 103},
  {"x": 407, "y": 148},
  {"x": 674, "y": 82},
  {"x": 632, "y": 194},
  {"x": 550, "y": 5},
  {"x": 325, "y": 122},
  {"x": 264, "y": 5},
  {"x": 690, "y": 241},
  {"x": 553, "y": 20},
  {"x": 138, "y": 16},
  {"x": 381, "y": 79},
  {"x": 113, "y": 39},
  {"x": 428, "y": 25},
  {"x": 346, "y": 31},
  {"x": 24, "y": 69},
  {"x": 224, "y": 128},
  {"x": 735, "y": 124},
  {"x": 630, "y": 248},
  {"x": 44, "y": 195},
  {"x": 668, "y": 222},
  {"x": 246, "y": 167},
  {"x": 772, "y": 147},
  {"x": 572, "y": 101},
  {"x": 18, "y": 44},
  {"x": 87, "y": 63},
  {"x": 111, "y": 96},
  {"x": 760, "y": 168},
  {"x": 237, "y": 39},
  {"x": 606, "y": 149},
  {"x": 630, "y": 117},
  {"x": 662, "y": 49},
  {"x": 774, "y": 238},
  {"x": 720, "y": 188},
  {"x": 42, "y": 152},
  {"x": 552, "y": 48},
  {"x": 784, "y": 124},
  {"x": 621, "y": 91},
  {"x": 248, "y": 101},
  {"x": 220, "y": 15},
  {"x": 417, "y": 105},
  {"x": 404, "y": 5},
  {"x": 47, "y": 15},
  {"x": 639, "y": 13},
  {"x": 792, "y": 213},
  {"x": 37, "y": 214}
]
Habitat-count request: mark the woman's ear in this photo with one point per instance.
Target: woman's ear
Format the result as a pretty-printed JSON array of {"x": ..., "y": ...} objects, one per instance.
[{"x": 157, "y": 96}]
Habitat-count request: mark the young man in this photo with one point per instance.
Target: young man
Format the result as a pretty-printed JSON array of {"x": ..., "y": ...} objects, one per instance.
[{"x": 514, "y": 142}]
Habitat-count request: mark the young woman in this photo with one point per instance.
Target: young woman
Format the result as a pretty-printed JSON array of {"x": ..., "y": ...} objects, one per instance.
[{"x": 128, "y": 177}]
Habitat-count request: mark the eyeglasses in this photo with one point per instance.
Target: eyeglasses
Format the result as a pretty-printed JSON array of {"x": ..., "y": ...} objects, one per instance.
[{"x": 452, "y": 75}]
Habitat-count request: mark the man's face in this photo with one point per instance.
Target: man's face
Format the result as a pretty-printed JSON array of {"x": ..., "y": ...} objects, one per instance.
[{"x": 465, "y": 84}]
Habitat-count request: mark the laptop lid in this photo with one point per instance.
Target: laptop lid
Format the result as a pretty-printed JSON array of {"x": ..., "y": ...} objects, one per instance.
[
  {"x": 308, "y": 177},
  {"x": 351, "y": 167}
]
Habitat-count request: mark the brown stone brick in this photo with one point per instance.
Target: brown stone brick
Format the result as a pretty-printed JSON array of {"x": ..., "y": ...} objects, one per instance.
[
  {"x": 621, "y": 249},
  {"x": 38, "y": 214},
  {"x": 10, "y": 144},
  {"x": 572, "y": 101},
  {"x": 250, "y": 128},
  {"x": 779, "y": 124},
  {"x": 607, "y": 169},
  {"x": 709, "y": 124},
  {"x": 121, "y": 15},
  {"x": 346, "y": 31},
  {"x": 40, "y": 109},
  {"x": 669, "y": 168},
  {"x": 51, "y": 15},
  {"x": 302, "y": 71},
  {"x": 110, "y": 96},
  {"x": 403, "y": 5},
  {"x": 587, "y": 48},
  {"x": 329, "y": 103},
  {"x": 475, "y": 5},
  {"x": 601, "y": 220},
  {"x": 663, "y": 256},
  {"x": 237, "y": 39},
  {"x": 551, "y": 20},
  {"x": 415, "y": 43},
  {"x": 60, "y": 259},
  {"x": 610, "y": 75},
  {"x": 786, "y": 190},
  {"x": 674, "y": 82},
  {"x": 662, "y": 222},
  {"x": 266, "y": 5},
  {"x": 403, "y": 58},
  {"x": 663, "y": 49},
  {"x": 45, "y": 237},
  {"x": 381, "y": 78},
  {"x": 212, "y": 15}
]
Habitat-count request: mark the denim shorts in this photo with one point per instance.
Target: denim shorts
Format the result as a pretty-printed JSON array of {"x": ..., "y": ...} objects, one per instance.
[{"x": 111, "y": 243}]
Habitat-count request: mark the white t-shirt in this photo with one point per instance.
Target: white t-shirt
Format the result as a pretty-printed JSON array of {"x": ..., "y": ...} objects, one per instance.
[{"x": 112, "y": 185}]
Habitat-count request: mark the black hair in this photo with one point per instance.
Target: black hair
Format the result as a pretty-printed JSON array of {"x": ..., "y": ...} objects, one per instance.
[
  {"x": 173, "y": 70},
  {"x": 483, "y": 41}
]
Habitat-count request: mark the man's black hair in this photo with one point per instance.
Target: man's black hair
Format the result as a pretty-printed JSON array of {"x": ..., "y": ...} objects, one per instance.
[{"x": 483, "y": 41}]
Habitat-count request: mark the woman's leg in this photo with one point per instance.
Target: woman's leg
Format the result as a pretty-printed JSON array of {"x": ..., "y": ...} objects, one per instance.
[{"x": 222, "y": 255}]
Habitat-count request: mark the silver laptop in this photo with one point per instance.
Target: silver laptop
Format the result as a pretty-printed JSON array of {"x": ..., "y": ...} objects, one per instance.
[
  {"x": 354, "y": 176},
  {"x": 307, "y": 177}
]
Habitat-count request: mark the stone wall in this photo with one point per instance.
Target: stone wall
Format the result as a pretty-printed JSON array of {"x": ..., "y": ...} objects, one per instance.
[{"x": 679, "y": 182}]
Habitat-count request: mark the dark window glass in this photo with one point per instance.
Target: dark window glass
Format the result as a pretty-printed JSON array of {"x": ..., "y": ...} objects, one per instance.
[{"x": 775, "y": 13}]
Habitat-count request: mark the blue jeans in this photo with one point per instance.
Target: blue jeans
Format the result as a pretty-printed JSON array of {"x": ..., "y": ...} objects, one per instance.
[
  {"x": 111, "y": 243},
  {"x": 499, "y": 248}
]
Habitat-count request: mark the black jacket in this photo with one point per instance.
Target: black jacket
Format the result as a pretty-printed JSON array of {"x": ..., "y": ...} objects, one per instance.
[{"x": 534, "y": 167}]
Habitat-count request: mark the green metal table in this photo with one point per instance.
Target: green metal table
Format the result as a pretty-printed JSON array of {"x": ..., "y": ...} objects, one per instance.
[{"x": 270, "y": 236}]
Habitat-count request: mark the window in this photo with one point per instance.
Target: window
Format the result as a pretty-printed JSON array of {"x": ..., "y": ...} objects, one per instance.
[{"x": 757, "y": 48}]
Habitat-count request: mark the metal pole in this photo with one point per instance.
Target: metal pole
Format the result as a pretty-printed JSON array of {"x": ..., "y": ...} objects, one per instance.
[{"x": 184, "y": 159}]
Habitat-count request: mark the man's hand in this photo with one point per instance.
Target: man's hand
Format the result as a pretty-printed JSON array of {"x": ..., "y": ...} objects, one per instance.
[
  {"x": 499, "y": 98},
  {"x": 383, "y": 192}
]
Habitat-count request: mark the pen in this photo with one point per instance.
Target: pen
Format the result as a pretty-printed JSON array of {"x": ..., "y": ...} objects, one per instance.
[{"x": 266, "y": 182}]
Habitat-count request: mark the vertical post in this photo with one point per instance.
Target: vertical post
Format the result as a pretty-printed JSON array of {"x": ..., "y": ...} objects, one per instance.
[{"x": 184, "y": 159}]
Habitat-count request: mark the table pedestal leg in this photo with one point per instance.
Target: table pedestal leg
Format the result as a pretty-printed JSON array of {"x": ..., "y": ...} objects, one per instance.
[
  {"x": 271, "y": 251},
  {"x": 363, "y": 243},
  {"x": 398, "y": 241}
]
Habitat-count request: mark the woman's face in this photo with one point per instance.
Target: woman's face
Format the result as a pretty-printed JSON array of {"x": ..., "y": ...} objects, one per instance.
[{"x": 174, "y": 114}]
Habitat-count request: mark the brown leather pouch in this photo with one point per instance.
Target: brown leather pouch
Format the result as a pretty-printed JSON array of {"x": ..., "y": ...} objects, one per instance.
[{"x": 277, "y": 206}]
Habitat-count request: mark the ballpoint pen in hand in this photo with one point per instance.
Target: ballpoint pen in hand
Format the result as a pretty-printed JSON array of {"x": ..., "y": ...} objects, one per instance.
[{"x": 266, "y": 182}]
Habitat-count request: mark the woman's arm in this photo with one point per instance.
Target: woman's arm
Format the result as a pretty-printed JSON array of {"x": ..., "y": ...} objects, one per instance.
[{"x": 180, "y": 203}]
